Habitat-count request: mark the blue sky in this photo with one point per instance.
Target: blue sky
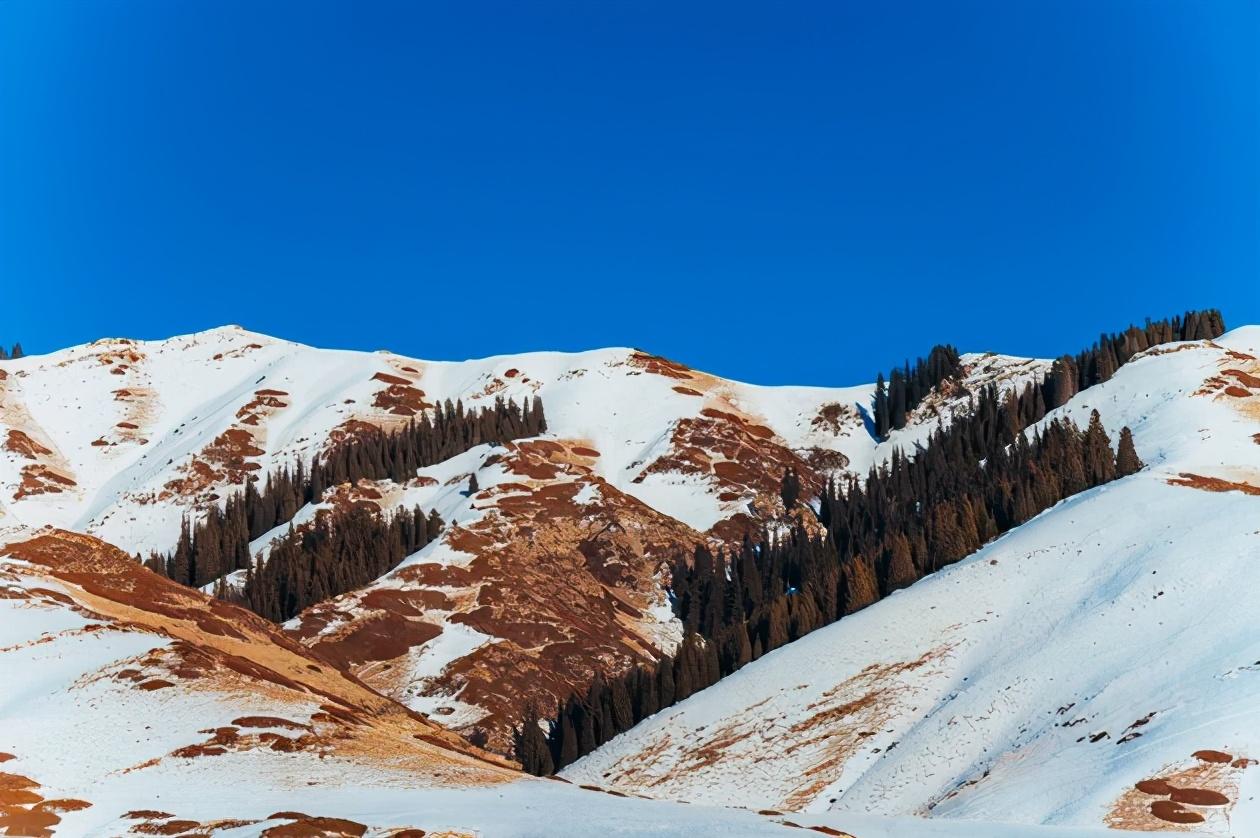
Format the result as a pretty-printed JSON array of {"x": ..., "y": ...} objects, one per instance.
[{"x": 783, "y": 193}]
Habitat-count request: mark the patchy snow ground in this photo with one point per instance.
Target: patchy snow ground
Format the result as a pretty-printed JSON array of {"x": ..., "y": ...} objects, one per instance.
[
  {"x": 124, "y": 420},
  {"x": 1107, "y": 642},
  {"x": 93, "y": 742},
  {"x": 1104, "y": 645}
]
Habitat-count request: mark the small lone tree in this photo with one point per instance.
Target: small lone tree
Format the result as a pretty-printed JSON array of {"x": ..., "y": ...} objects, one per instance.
[
  {"x": 790, "y": 488},
  {"x": 1127, "y": 460},
  {"x": 473, "y": 487}
]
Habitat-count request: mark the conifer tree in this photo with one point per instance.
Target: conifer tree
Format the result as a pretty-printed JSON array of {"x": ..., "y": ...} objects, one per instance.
[
  {"x": 1100, "y": 463},
  {"x": 790, "y": 488},
  {"x": 1127, "y": 460},
  {"x": 882, "y": 419}
]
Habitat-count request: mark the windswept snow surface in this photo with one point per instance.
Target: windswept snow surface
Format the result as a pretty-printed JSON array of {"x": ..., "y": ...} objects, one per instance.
[{"x": 1107, "y": 642}]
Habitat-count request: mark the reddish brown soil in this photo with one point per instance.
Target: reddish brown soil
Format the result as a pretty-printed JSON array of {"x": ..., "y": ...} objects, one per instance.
[
  {"x": 20, "y": 443},
  {"x": 169, "y": 827},
  {"x": 1243, "y": 378},
  {"x": 384, "y": 636},
  {"x": 39, "y": 479},
  {"x": 214, "y": 643},
  {"x": 1166, "y": 810},
  {"x": 268, "y": 721},
  {"x": 401, "y": 400},
  {"x": 686, "y": 391},
  {"x": 1155, "y": 787},
  {"x": 826, "y": 461},
  {"x": 24, "y": 811},
  {"x": 225, "y": 460},
  {"x": 1199, "y": 797},
  {"x": 1212, "y": 484},
  {"x": 264, "y": 403},
  {"x": 1212, "y": 756},
  {"x": 156, "y": 684},
  {"x": 739, "y": 456},
  {"x": 835, "y": 417},
  {"x": 657, "y": 365},
  {"x": 317, "y": 828},
  {"x": 562, "y": 587},
  {"x": 1206, "y": 784}
]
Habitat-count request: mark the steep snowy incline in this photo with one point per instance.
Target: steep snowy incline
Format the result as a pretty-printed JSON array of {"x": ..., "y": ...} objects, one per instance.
[
  {"x": 143, "y": 708},
  {"x": 1096, "y": 666}
]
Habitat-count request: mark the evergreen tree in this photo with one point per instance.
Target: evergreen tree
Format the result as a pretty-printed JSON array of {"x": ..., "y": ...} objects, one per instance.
[
  {"x": 1127, "y": 460},
  {"x": 1100, "y": 463},
  {"x": 790, "y": 488},
  {"x": 882, "y": 419}
]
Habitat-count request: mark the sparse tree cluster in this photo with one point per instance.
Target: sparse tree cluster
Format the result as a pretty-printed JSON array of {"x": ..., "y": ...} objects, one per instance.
[
  {"x": 611, "y": 706},
  {"x": 219, "y": 543},
  {"x": 12, "y": 354},
  {"x": 338, "y": 554},
  {"x": 1072, "y": 373},
  {"x": 907, "y": 387}
]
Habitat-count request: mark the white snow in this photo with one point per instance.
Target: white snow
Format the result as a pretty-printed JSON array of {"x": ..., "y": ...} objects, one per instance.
[{"x": 1132, "y": 598}]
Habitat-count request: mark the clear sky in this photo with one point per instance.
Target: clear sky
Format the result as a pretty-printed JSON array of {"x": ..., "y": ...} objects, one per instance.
[{"x": 779, "y": 192}]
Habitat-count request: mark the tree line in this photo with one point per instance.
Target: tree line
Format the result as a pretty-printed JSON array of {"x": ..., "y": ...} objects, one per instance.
[
  {"x": 974, "y": 479},
  {"x": 1069, "y": 374},
  {"x": 219, "y": 542},
  {"x": 1072, "y": 373},
  {"x": 12, "y": 354},
  {"x": 906, "y": 388}
]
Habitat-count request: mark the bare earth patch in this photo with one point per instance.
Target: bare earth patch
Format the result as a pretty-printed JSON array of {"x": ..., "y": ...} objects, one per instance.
[
  {"x": 1198, "y": 792},
  {"x": 561, "y": 588},
  {"x": 1212, "y": 484}
]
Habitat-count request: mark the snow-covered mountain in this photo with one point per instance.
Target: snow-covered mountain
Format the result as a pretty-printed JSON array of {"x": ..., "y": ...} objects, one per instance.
[
  {"x": 551, "y": 571},
  {"x": 133, "y": 706},
  {"x": 1088, "y": 669},
  {"x": 1097, "y": 666}
]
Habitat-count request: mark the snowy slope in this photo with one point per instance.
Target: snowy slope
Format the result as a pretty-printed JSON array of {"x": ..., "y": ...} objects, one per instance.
[
  {"x": 1105, "y": 643},
  {"x": 124, "y": 420},
  {"x": 644, "y": 459},
  {"x": 118, "y": 437},
  {"x": 142, "y": 708}
]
